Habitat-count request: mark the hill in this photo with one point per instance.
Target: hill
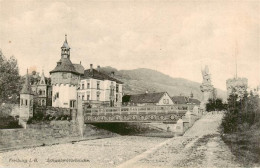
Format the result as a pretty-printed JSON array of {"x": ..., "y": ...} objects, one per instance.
[{"x": 139, "y": 80}]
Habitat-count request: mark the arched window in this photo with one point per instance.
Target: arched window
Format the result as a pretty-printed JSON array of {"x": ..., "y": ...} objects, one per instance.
[{"x": 40, "y": 92}]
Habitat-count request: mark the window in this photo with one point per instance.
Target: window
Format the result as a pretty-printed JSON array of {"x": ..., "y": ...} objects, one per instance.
[
  {"x": 43, "y": 92},
  {"x": 82, "y": 97},
  {"x": 98, "y": 85},
  {"x": 82, "y": 86},
  {"x": 57, "y": 95},
  {"x": 88, "y": 97},
  {"x": 21, "y": 101},
  {"x": 98, "y": 95},
  {"x": 40, "y": 92},
  {"x": 117, "y": 88},
  {"x": 88, "y": 85},
  {"x": 26, "y": 102},
  {"x": 72, "y": 103}
]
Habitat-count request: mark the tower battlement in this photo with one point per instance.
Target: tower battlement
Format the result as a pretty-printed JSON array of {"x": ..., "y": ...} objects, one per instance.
[{"x": 239, "y": 85}]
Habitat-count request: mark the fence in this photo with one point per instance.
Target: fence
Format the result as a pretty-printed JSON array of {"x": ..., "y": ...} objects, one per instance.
[
  {"x": 133, "y": 109},
  {"x": 55, "y": 112}
]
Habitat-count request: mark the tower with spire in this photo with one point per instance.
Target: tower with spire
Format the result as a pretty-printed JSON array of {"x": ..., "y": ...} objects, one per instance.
[
  {"x": 65, "y": 78},
  {"x": 26, "y": 100}
]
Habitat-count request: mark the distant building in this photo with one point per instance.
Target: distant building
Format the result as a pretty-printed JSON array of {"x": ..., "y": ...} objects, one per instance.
[
  {"x": 237, "y": 86},
  {"x": 183, "y": 102},
  {"x": 161, "y": 98},
  {"x": 41, "y": 88}
]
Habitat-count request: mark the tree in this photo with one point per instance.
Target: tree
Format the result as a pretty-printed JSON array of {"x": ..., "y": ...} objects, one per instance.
[
  {"x": 215, "y": 105},
  {"x": 242, "y": 113},
  {"x": 10, "y": 84}
]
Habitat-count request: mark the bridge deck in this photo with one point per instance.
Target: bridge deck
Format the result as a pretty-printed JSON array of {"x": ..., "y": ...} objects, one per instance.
[{"x": 169, "y": 114}]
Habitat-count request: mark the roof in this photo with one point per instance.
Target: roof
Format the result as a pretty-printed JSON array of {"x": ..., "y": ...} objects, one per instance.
[
  {"x": 26, "y": 86},
  {"x": 65, "y": 44},
  {"x": 79, "y": 68},
  {"x": 65, "y": 65},
  {"x": 179, "y": 99},
  {"x": 98, "y": 75},
  {"x": 195, "y": 101},
  {"x": 184, "y": 100},
  {"x": 144, "y": 98}
]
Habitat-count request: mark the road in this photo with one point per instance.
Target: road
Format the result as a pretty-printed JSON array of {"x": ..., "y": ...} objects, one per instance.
[{"x": 201, "y": 146}]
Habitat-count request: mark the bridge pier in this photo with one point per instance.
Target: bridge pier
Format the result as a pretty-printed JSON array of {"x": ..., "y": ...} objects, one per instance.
[{"x": 80, "y": 117}]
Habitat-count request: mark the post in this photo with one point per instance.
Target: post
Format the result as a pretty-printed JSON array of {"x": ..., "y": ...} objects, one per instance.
[
  {"x": 179, "y": 129},
  {"x": 80, "y": 117}
]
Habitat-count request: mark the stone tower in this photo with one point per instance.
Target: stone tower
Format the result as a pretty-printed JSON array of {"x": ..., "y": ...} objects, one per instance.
[
  {"x": 64, "y": 79},
  {"x": 237, "y": 85},
  {"x": 206, "y": 87},
  {"x": 26, "y": 100}
]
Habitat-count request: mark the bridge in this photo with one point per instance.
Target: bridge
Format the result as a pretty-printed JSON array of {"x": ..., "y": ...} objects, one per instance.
[{"x": 165, "y": 114}]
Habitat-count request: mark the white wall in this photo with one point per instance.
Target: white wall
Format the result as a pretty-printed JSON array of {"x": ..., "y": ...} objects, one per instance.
[
  {"x": 165, "y": 100},
  {"x": 66, "y": 93}
]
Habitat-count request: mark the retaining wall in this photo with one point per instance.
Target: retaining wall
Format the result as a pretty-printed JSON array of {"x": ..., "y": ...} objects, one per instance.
[{"x": 46, "y": 134}]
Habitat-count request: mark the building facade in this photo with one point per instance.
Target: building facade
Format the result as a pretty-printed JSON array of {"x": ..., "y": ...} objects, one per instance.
[
  {"x": 70, "y": 81},
  {"x": 99, "y": 89}
]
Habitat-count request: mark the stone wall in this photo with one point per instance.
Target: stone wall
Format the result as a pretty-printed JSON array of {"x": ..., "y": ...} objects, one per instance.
[{"x": 46, "y": 134}]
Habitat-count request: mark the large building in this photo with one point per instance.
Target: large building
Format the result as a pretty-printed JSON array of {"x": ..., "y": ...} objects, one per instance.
[
  {"x": 70, "y": 81},
  {"x": 99, "y": 89}
]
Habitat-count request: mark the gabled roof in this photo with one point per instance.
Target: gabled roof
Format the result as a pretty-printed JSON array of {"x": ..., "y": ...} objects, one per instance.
[
  {"x": 194, "y": 101},
  {"x": 143, "y": 98},
  {"x": 184, "y": 100},
  {"x": 79, "y": 68},
  {"x": 98, "y": 75},
  {"x": 64, "y": 65},
  {"x": 179, "y": 99}
]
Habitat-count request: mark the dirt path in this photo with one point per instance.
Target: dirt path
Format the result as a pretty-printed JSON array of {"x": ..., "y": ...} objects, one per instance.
[{"x": 201, "y": 146}]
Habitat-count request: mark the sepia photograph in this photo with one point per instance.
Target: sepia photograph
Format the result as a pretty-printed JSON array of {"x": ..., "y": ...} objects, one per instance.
[{"x": 129, "y": 83}]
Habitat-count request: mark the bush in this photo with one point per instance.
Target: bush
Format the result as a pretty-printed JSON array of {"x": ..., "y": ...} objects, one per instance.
[{"x": 5, "y": 110}]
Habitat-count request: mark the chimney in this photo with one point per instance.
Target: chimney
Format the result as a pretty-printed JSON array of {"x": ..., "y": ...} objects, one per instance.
[
  {"x": 91, "y": 67},
  {"x": 98, "y": 68},
  {"x": 112, "y": 74}
]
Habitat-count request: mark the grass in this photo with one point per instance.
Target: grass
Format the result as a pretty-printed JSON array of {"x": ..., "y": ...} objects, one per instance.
[{"x": 245, "y": 145}]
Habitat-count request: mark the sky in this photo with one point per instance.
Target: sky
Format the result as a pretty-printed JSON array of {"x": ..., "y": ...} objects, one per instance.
[{"x": 176, "y": 38}]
